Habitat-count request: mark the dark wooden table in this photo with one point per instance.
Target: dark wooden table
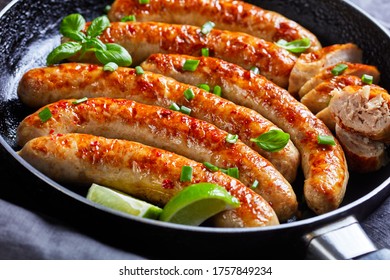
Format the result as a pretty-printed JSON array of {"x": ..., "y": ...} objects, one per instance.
[{"x": 16, "y": 243}]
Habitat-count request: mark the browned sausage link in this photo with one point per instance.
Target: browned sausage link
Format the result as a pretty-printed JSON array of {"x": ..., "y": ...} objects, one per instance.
[
  {"x": 142, "y": 171},
  {"x": 144, "y": 38},
  {"x": 325, "y": 167},
  {"x": 227, "y": 15},
  {"x": 41, "y": 86},
  {"x": 165, "y": 129}
]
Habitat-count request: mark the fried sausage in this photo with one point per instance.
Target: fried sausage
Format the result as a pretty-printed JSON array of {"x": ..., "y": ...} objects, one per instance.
[
  {"x": 142, "y": 171},
  {"x": 168, "y": 130},
  {"x": 310, "y": 64},
  {"x": 42, "y": 86},
  {"x": 227, "y": 15},
  {"x": 325, "y": 167},
  {"x": 144, "y": 38}
]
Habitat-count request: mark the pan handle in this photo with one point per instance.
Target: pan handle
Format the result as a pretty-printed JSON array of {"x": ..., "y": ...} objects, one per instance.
[{"x": 341, "y": 240}]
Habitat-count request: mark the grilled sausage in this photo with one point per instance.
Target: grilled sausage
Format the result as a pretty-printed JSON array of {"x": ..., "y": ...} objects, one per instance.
[
  {"x": 318, "y": 98},
  {"x": 363, "y": 110},
  {"x": 41, "y": 86},
  {"x": 310, "y": 64},
  {"x": 325, "y": 167},
  {"x": 144, "y": 38},
  {"x": 142, "y": 171},
  {"x": 353, "y": 69},
  {"x": 168, "y": 130},
  {"x": 363, "y": 155},
  {"x": 227, "y": 15}
]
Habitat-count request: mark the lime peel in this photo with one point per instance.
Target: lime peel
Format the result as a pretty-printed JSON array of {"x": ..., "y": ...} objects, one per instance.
[
  {"x": 122, "y": 202},
  {"x": 197, "y": 203}
]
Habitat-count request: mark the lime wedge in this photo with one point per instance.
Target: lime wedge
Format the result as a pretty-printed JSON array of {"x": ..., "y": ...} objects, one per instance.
[
  {"x": 122, "y": 202},
  {"x": 196, "y": 203}
]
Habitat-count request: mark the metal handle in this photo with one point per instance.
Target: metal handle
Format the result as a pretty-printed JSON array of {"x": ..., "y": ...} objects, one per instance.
[{"x": 344, "y": 239}]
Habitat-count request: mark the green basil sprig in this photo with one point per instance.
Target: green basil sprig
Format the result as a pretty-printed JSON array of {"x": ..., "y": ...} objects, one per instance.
[
  {"x": 272, "y": 141},
  {"x": 72, "y": 26}
]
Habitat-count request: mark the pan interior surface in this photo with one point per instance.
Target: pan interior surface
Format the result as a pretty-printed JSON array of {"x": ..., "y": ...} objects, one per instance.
[{"x": 29, "y": 31}]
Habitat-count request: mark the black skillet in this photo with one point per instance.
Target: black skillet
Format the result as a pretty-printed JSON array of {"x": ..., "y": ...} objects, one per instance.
[{"x": 29, "y": 30}]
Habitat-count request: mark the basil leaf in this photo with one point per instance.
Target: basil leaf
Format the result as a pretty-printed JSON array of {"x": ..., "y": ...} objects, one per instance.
[
  {"x": 71, "y": 27},
  {"x": 297, "y": 46},
  {"x": 62, "y": 52},
  {"x": 95, "y": 43},
  {"x": 114, "y": 53},
  {"x": 98, "y": 25},
  {"x": 272, "y": 141}
]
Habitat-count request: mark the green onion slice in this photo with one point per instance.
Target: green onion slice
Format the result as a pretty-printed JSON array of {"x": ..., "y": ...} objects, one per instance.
[
  {"x": 189, "y": 94},
  {"x": 207, "y": 27},
  {"x": 128, "y": 18},
  {"x": 79, "y": 101},
  {"x": 255, "y": 184},
  {"x": 144, "y": 2},
  {"x": 217, "y": 90},
  {"x": 231, "y": 138},
  {"x": 233, "y": 172},
  {"x": 367, "y": 79},
  {"x": 296, "y": 46},
  {"x": 45, "y": 115},
  {"x": 205, "y": 52},
  {"x": 185, "y": 110},
  {"x": 191, "y": 65},
  {"x": 139, "y": 70},
  {"x": 272, "y": 141},
  {"x": 205, "y": 87},
  {"x": 339, "y": 69},
  {"x": 210, "y": 166},
  {"x": 326, "y": 140},
  {"x": 186, "y": 174},
  {"x": 255, "y": 70},
  {"x": 174, "y": 107},
  {"x": 111, "y": 66}
]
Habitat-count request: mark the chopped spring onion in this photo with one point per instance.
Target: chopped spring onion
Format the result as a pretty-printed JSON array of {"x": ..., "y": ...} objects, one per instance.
[
  {"x": 255, "y": 184},
  {"x": 217, "y": 90},
  {"x": 189, "y": 94},
  {"x": 144, "y": 2},
  {"x": 139, "y": 70},
  {"x": 128, "y": 18},
  {"x": 45, "y": 115},
  {"x": 205, "y": 52},
  {"x": 272, "y": 141},
  {"x": 107, "y": 8},
  {"x": 81, "y": 100},
  {"x": 210, "y": 166},
  {"x": 186, "y": 174},
  {"x": 326, "y": 140},
  {"x": 205, "y": 87},
  {"x": 231, "y": 138},
  {"x": 191, "y": 65},
  {"x": 255, "y": 70},
  {"x": 296, "y": 46},
  {"x": 185, "y": 110},
  {"x": 174, "y": 107},
  {"x": 233, "y": 172},
  {"x": 339, "y": 69},
  {"x": 367, "y": 79},
  {"x": 207, "y": 27},
  {"x": 111, "y": 66}
]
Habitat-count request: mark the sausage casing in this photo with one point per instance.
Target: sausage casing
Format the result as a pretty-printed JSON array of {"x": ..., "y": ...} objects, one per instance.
[
  {"x": 324, "y": 166},
  {"x": 142, "y": 171},
  {"x": 168, "y": 130}
]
